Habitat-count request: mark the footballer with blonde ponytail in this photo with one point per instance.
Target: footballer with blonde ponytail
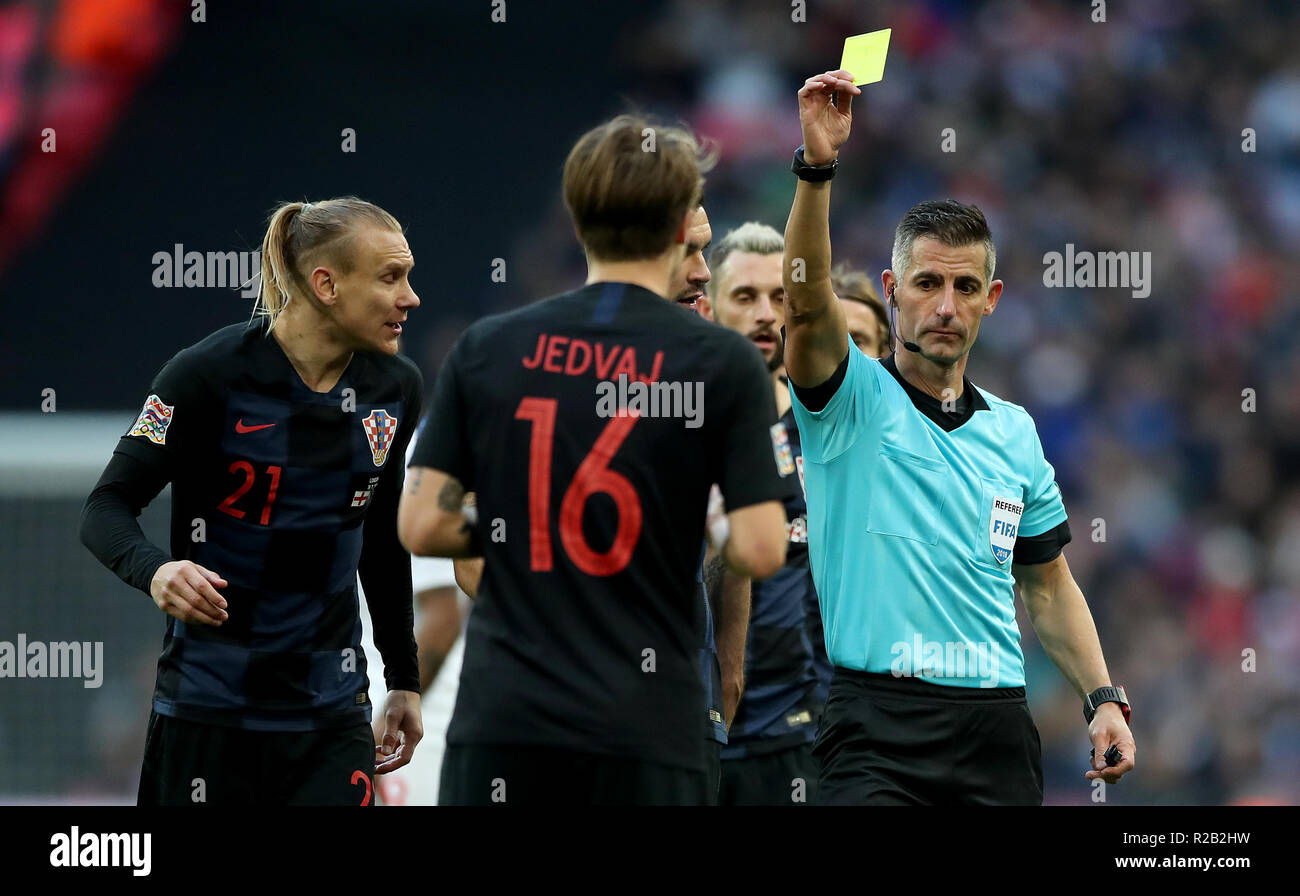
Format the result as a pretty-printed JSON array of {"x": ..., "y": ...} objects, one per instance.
[
  {"x": 297, "y": 233},
  {"x": 286, "y": 438}
]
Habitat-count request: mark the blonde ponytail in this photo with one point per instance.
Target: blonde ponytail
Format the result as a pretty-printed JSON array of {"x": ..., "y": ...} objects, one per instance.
[
  {"x": 296, "y": 233},
  {"x": 274, "y": 292}
]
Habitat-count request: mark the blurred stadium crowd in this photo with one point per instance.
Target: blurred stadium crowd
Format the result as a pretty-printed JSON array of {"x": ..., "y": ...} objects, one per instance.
[
  {"x": 1125, "y": 135},
  {"x": 67, "y": 70}
]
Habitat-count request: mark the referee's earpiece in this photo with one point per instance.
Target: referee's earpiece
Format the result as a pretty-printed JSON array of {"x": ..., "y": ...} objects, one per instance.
[{"x": 910, "y": 346}]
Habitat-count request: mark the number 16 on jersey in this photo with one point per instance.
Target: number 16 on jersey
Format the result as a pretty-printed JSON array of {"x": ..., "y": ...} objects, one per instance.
[{"x": 593, "y": 477}]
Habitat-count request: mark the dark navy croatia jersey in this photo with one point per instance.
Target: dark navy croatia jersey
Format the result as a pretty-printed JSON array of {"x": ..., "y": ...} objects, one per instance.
[
  {"x": 585, "y": 632},
  {"x": 782, "y": 700},
  {"x": 271, "y": 484}
]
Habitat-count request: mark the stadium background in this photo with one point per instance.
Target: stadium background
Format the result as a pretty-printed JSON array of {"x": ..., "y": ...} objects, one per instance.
[{"x": 1117, "y": 136}]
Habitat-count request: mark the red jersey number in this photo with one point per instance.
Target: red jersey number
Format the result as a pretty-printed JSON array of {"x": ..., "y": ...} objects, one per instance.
[
  {"x": 593, "y": 477},
  {"x": 245, "y": 469}
]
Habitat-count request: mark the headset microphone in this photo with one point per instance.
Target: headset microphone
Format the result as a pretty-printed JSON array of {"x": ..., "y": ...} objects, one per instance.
[{"x": 910, "y": 346}]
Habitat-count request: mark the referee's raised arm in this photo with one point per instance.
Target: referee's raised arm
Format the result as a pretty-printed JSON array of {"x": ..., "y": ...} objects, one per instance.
[{"x": 816, "y": 330}]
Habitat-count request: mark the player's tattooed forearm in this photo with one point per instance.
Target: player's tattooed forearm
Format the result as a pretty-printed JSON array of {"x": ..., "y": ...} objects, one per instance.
[
  {"x": 451, "y": 496},
  {"x": 415, "y": 482}
]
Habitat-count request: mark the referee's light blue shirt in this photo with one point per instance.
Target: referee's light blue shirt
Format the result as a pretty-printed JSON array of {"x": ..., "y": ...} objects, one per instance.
[{"x": 911, "y": 529}]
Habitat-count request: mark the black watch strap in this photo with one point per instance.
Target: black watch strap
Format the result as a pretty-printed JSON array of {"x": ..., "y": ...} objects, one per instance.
[
  {"x": 1106, "y": 694},
  {"x": 812, "y": 173}
]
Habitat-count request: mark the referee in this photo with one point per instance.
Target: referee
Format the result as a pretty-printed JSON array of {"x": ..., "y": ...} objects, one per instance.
[{"x": 928, "y": 501}]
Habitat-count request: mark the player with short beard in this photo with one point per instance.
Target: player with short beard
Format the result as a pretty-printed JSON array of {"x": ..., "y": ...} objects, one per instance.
[{"x": 770, "y": 742}]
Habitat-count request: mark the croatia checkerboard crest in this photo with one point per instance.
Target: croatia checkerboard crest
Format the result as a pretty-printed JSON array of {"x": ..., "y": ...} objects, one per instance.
[
  {"x": 1004, "y": 523},
  {"x": 380, "y": 428}
]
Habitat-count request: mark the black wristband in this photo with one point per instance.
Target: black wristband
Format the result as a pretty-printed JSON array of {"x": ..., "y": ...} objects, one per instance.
[
  {"x": 812, "y": 173},
  {"x": 1105, "y": 694}
]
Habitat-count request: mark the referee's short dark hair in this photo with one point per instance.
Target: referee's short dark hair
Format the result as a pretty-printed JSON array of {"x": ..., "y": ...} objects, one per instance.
[
  {"x": 948, "y": 221},
  {"x": 628, "y": 183}
]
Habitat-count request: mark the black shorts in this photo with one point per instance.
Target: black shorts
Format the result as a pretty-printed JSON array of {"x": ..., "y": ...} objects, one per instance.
[
  {"x": 785, "y": 778},
  {"x": 526, "y": 775},
  {"x": 889, "y": 741},
  {"x": 191, "y": 763}
]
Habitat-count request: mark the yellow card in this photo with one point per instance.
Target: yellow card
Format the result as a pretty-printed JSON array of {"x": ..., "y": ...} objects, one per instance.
[{"x": 864, "y": 56}]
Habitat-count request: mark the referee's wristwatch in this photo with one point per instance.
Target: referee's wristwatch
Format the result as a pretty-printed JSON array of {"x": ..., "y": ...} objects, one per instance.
[
  {"x": 1107, "y": 694},
  {"x": 813, "y": 173}
]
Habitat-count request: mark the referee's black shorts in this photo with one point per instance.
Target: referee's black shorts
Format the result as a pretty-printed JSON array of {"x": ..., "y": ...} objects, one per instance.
[
  {"x": 887, "y": 741},
  {"x": 192, "y": 764},
  {"x": 528, "y": 775}
]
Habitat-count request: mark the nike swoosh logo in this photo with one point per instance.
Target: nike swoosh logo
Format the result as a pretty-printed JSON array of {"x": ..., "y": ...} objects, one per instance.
[{"x": 240, "y": 427}]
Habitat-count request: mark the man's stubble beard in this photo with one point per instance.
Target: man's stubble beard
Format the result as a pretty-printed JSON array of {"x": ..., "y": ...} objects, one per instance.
[{"x": 777, "y": 361}]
